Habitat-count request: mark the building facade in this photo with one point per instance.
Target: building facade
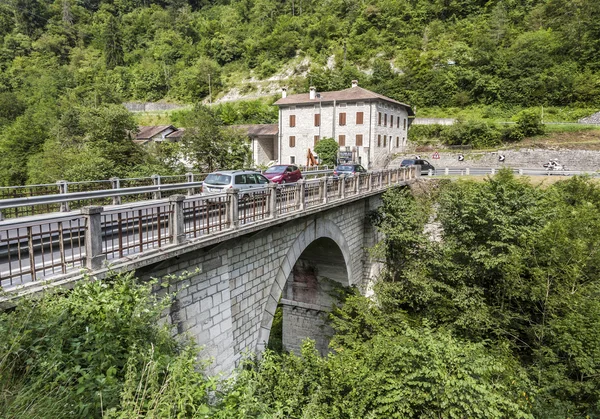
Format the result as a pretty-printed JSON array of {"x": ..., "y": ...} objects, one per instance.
[{"x": 371, "y": 126}]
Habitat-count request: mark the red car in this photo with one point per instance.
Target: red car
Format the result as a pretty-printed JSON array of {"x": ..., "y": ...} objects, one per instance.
[{"x": 283, "y": 173}]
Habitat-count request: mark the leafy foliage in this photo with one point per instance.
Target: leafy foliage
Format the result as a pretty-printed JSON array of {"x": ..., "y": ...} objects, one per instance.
[
  {"x": 327, "y": 150},
  {"x": 91, "y": 352}
]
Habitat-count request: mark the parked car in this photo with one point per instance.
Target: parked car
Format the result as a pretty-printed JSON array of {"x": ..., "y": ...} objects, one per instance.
[
  {"x": 348, "y": 169},
  {"x": 425, "y": 165},
  {"x": 244, "y": 180},
  {"x": 283, "y": 173}
]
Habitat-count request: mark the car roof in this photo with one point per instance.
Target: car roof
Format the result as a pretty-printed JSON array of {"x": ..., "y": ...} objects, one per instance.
[{"x": 230, "y": 172}]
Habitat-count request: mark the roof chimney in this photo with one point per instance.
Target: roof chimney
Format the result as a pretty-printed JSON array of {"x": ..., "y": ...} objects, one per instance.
[
  {"x": 354, "y": 83},
  {"x": 283, "y": 92},
  {"x": 313, "y": 92}
]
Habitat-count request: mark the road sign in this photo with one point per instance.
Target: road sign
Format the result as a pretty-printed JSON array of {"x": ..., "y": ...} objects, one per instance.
[{"x": 436, "y": 155}]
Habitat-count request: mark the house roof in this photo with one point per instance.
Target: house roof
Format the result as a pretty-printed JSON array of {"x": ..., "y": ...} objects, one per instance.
[
  {"x": 257, "y": 130},
  {"x": 147, "y": 132},
  {"x": 352, "y": 93},
  {"x": 176, "y": 134}
]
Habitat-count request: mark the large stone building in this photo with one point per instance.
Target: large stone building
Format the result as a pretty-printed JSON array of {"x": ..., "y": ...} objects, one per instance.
[{"x": 371, "y": 126}]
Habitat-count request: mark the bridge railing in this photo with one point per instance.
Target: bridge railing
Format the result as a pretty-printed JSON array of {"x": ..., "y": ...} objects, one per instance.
[{"x": 50, "y": 245}]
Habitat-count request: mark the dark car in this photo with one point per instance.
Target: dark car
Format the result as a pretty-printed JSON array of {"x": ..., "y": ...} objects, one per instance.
[
  {"x": 283, "y": 173},
  {"x": 348, "y": 169},
  {"x": 425, "y": 165}
]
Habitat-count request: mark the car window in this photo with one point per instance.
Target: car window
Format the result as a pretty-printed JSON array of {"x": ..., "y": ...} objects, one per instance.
[
  {"x": 289, "y": 169},
  {"x": 240, "y": 180},
  {"x": 294, "y": 168},
  {"x": 275, "y": 169},
  {"x": 261, "y": 179},
  {"x": 218, "y": 179},
  {"x": 407, "y": 162},
  {"x": 250, "y": 179},
  {"x": 345, "y": 168},
  {"x": 361, "y": 169}
]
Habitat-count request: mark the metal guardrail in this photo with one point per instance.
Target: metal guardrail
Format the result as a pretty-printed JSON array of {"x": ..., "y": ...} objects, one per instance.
[
  {"x": 482, "y": 171},
  {"x": 53, "y": 245},
  {"x": 119, "y": 191}
]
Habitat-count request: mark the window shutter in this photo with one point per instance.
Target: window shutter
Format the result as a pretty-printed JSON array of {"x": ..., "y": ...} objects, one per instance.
[
  {"x": 358, "y": 140},
  {"x": 292, "y": 120},
  {"x": 385, "y": 120},
  {"x": 397, "y": 142},
  {"x": 379, "y": 140},
  {"x": 342, "y": 118},
  {"x": 292, "y": 141},
  {"x": 317, "y": 120},
  {"x": 385, "y": 140},
  {"x": 342, "y": 140},
  {"x": 379, "y": 120},
  {"x": 398, "y": 122},
  {"x": 359, "y": 118},
  {"x": 404, "y": 123},
  {"x": 316, "y": 141}
]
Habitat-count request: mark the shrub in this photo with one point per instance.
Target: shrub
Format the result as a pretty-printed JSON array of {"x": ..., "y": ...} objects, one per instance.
[
  {"x": 327, "y": 149},
  {"x": 529, "y": 123}
]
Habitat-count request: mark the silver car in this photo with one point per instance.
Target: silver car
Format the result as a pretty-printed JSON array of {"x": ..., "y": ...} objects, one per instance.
[{"x": 244, "y": 180}]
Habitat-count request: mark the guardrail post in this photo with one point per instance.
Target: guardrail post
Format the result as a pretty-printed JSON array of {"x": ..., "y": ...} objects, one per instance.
[
  {"x": 300, "y": 203},
  {"x": 380, "y": 179},
  {"x": 342, "y": 179},
  {"x": 156, "y": 181},
  {"x": 323, "y": 185},
  {"x": 115, "y": 183},
  {"x": 63, "y": 189},
  {"x": 177, "y": 221},
  {"x": 93, "y": 237},
  {"x": 467, "y": 171},
  {"x": 357, "y": 184},
  {"x": 520, "y": 171},
  {"x": 389, "y": 177},
  {"x": 233, "y": 201},
  {"x": 493, "y": 171},
  {"x": 446, "y": 171},
  {"x": 272, "y": 188},
  {"x": 429, "y": 172},
  {"x": 189, "y": 179},
  {"x": 370, "y": 182}
]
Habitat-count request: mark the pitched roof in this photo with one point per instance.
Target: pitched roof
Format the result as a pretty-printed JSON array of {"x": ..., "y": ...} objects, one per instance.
[
  {"x": 352, "y": 93},
  {"x": 176, "y": 134},
  {"x": 256, "y": 130},
  {"x": 147, "y": 132}
]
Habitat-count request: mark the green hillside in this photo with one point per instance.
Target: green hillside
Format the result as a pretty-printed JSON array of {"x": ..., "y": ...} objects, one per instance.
[{"x": 63, "y": 60}]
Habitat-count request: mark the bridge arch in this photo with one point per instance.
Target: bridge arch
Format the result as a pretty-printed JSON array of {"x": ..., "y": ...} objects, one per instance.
[{"x": 323, "y": 237}]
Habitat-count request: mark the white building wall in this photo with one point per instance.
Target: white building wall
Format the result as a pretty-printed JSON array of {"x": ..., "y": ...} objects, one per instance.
[{"x": 369, "y": 154}]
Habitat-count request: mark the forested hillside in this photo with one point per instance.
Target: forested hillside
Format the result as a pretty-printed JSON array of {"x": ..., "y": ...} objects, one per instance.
[{"x": 64, "y": 62}]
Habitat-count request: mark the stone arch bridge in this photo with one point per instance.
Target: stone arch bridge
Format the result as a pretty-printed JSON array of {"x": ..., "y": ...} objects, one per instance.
[{"x": 232, "y": 262}]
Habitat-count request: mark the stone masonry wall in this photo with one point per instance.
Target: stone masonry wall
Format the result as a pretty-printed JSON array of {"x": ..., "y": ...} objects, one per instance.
[
  {"x": 585, "y": 160},
  {"x": 227, "y": 294}
]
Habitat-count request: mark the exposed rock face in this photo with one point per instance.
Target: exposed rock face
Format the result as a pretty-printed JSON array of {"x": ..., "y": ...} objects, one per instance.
[{"x": 592, "y": 119}]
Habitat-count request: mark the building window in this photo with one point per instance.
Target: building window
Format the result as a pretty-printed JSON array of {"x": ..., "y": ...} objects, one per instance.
[
  {"x": 397, "y": 142},
  {"x": 379, "y": 119},
  {"x": 292, "y": 120},
  {"x": 385, "y": 140},
  {"x": 359, "y": 140},
  {"x": 359, "y": 118},
  {"x": 342, "y": 105},
  {"x": 342, "y": 118},
  {"x": 379, "y": 140},
  {"x": 292, "y": 141},
  {"x": 316, "y": 141},
  {"x": 385, "y": 120},
  {"x": 342, "y": 140},
  {"x": 404, "y": 123},
  {"x": 360, "y": 103},
  {"x": 292, "y": 159},
  {"x": 398, "y": 122},
  {"x": 317, "y": 120}
]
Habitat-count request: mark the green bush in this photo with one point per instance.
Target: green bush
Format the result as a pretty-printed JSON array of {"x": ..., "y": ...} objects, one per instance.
[
  {"x": 529, "y": 122},
  {"x": 327, "y": 149},
  {"x": 97, "y": 350}
]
